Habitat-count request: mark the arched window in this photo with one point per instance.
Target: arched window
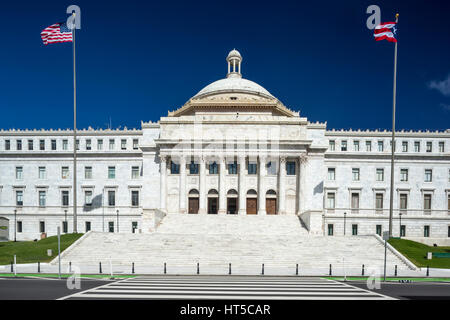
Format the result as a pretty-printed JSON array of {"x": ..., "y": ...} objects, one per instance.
[{"x": 252, "y": 192}]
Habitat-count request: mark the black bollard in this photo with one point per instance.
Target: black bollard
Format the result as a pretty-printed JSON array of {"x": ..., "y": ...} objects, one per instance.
[
  {"x": 12, "y": 267},
  {"x": 262, "y": 271},
  {"x": 70, "y": 266},
  {"x": 362, "y": 272},
  {"x": 296, "y": 269},
  {"x": 428, "y": 271},
  {"x": 395, "y": 270},
  {"x": 132, "y": 268},
  {"x": 198, "y": 268},
  {"x": 39, "y": 267},
  {"x": 165, "y": 270},
  {"x": 100, "y": 267},
  {"x": 229, "y": 268},
  {"x": 330, "y": 270}
]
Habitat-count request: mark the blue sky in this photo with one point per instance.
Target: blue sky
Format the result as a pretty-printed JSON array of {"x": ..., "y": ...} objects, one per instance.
[{"x": 136, "y": 60}]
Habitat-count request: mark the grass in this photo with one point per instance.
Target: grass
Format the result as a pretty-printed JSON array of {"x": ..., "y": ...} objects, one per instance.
[
  {"x": 417, "y": 253},
  {"x": 34, "y": 251},
  {"x": 412, "y": 279}
]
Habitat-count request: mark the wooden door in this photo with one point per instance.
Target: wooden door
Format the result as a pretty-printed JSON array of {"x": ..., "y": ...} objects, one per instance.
[
  {"x": 271, "y": 206},
  {"x": 193, "y": 205},
  {"x": 251, "y": 206}
]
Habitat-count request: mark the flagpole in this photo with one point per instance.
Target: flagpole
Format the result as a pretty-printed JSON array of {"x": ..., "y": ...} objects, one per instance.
[
  {"x": 75, "y": 229},
  {"x": 391, "y": 200}
]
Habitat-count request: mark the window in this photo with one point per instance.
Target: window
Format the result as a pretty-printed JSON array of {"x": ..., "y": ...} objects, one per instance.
[
  {"x": 174, "y": 168},
  {"x": 379, "y": 202},
  {"x": 416, "y": 146},
  {"x": 330, "y": 230},
  {"x": 53, "y": 143},
  {"x": 403, "y": 201},
  {"x": 41, "y": 226},
  {"x": 65, "y": 198},
  {"x": 88, "y": 198},
  {"x": 354, "y": 229},
  {"x": 356, "y": 145},
  {"x": 19, "y": 227},
  {"x": 111, "y": 198},
  {"x": 65, "y": 172},
  {"x": 355, "y": 174},
  {"x": 111, "y": 144},
  {"x": 134, "y": 226},
  {"x": 426, "y": 231},
  {"x": 380, "y": 146},
  {"x": 19, "y": 144},
  {"x": 271, "y": 168},
  {"x": 87, "y": 226},
  {"x": 344, "y": 145},
  {"x": 427, "y": 202},
  {"x": 331, "y": 174},
  {"x": 134, "y": 172},
  {"x": 429, "y": 146},
  {"x": 355, "y": 201},
  {"x": 134, "y": 198},
  {"x": 88, "y": 144},
  {"x": 378, "y": 229},
  {"x": 99, "y": 144},
  {"x": 428, "y": 175},
  {"x": 42, "y": 173},
  {"x": 368, "y": 146},
  {"x": 123, "y": 144},
  {"x": 403, "y": 175},
  {"x": 19, "y": 198},
  {"x": 332, "y": 145},
  {"x": 441, "y": 146},
  {"x": 64, "y": 226},
  {"x": 42, "y": 198},
  {"x": 252, "y": 168},
  {"x": 290, "y": 168},
  {"x": 331, "y": 200},
  {"x": 111, "y": 172},
  {"x": 135, "y": 144},
  {"x": 30, "y": 144},
  {"x": 402, "y": 230},
  {"x": 78, "y": 144},
  {"x": 380, "y": 174},
  {"x": 232, "y": 168},
  {"x": 41, "y": 144},
  {"x": 19, "y": 173},
  {"x": 7, "y": 145},
  {"x": 111, "y": 226},
  {"x": 405, "y": 146},
  {"x": 88, "y": 172},
  {"x": 193, "y": 168},
  {"x": 65, "y": 144}
]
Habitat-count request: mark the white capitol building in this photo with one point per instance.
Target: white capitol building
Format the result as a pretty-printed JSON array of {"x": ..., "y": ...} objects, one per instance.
[{"x": 231, "y": 149}]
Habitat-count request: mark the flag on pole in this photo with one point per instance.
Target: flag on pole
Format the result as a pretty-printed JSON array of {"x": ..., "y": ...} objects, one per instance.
[
  {"x": 386, "y": 31},
  {"x": 57, "y": 33}
]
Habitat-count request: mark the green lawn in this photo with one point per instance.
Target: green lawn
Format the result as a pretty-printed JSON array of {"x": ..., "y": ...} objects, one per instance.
[
  {"x": 31, "y": 251},
  {"x": 417, "y": 253}
]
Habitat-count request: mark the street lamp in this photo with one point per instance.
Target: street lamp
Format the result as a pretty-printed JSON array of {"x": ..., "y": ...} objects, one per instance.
[
  {"x": 400, "y": 229},
  {"x": 117, "y": 220},
  {"x": 15, "y": 225},
  {"x": 345, "y": 216}
]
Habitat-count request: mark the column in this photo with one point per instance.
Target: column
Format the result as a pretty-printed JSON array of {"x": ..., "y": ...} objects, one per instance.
[
  {"x": 299, "y": 184},
  {"x": 222, "y": 190},
  {"x": 261, "y": 190},
  {"x": 202, "y": 199},
  {"x": 182, "y": 184},
  {"x": 282, "y": 186},
  {"x": 163, "y": 174},
  {"x": 242, "y": 193}
]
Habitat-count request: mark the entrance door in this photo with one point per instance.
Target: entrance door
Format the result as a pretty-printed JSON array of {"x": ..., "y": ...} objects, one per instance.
[
  {"x": 271, "y": 206},
  {"x": 212, "y": 205},
  {"x": 251, "y": 205},
  {"x": 193, "y": 205},
  {"x": 231, "y": 205}
]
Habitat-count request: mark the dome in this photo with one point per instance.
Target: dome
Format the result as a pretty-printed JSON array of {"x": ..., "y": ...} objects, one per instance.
[
  {"x": 233, "y": 84},
  {"x": 234, "y": 54}
]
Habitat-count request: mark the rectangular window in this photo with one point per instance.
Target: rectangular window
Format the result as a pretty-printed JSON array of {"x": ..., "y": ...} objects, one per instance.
[
  {"x": 332, "y": 145},
  {"x": 402, "y": 230},
  {"x": 331, "y": 174},
  {"x": 111, "y": 226},
  {"x": 30, "y": 145},
  {"x": 355, "y": 174},
  {"x": 64, "y": 226},
  {"x": 379, "y": 202},
  {"x": 354, "y": 229},
  {"x": 123, "y": 144},
  {"x": 193, "y": 168},
  {"x": 427, "y": 202},
  {"x": 111, "y": 198},
  {"x": 42, "y": 173},
  {"x": 88, "y": 172},
  {"x": 65, "y": 172},
  {"x": 441, "y": 146},
  {"x": 174, "y": 168},
  {"x": 7, "y": 145},
  {"x": 41, "y": 144},
  {"x": 53, "y": 143},
  {"x": 355, "y": 201},
  {"x": 426, "y": 231},
  {"x": 380, "y": 174},
  {"x": 42, "y": 198},
  {"x": 380, "y": 146},
  {"x": 41, "y": 226},
  {"x": 19, "y": 144},
  {"x": 19, "y": 227},
  {"x": 344, "y": 145},
  {"x": 403, "y": 201},
  {"x": 428, "y": 175},
  {"x": 252, "y": 168},
  {"x": 87, "y": 226},
  {"x": 134, "y": 172},
  {"x": 356, "y": 145},
  {"x": 404, "y": 175},
  {"x": 429, "y": 146},
  {"x": 368, "y": 146},
  {"x": 271, "y": 168},
  {"x": 134, "y": 198},
  {"x": 19, "y": 173},
  {"x": 331, "y": 200},
  {"x": 330, "y": 230},
  {"x": 99, "y": 144},
  {"x": 135, "y": 144},
  {"x": 88, "y": 198},
  {"x": 19, "y": 198},
  {"x": 65, "y": 144},
  {"x": 65, "y": 198},
  {"x": 88, "y": 144},
  {"x": 378, "y": 229},
  {"x": 111, "y": 144},
  {"x": 405, "y": 146},
  {"x": 134, "y": 226},
  {"x": 232, "y": 168},
  {"x": 78, "y": 144},
  {"x": 290, "y": 168},
  {"x": 416, "y": 146},
  {"x": 111, "y": 172}
]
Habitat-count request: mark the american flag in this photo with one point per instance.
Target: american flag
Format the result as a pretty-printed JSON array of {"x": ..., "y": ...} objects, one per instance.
[
  {"x": 386, "y": 31},
  {"x": 56, "y": 33}
]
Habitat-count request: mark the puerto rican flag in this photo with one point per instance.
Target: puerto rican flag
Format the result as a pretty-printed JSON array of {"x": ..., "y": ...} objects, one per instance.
[{"x": 386, "y": 31}]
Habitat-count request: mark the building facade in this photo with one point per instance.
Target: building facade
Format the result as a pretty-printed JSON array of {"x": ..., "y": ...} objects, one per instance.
[{"x": 233, "y": 148}]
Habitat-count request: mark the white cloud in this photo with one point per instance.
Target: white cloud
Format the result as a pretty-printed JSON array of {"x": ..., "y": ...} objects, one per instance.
[
  {"x": 445, "y": 106},
  {"x": 442, "y": 86}
]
